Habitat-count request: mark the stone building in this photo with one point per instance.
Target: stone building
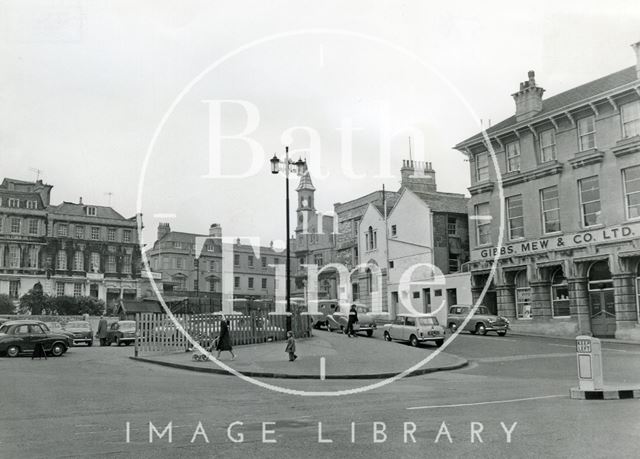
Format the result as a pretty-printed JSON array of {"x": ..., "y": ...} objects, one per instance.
[{"x": 568, "y": 261}]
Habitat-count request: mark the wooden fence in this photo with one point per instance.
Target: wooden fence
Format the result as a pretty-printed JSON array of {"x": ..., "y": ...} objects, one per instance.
[{"x": 158, "y": 334}]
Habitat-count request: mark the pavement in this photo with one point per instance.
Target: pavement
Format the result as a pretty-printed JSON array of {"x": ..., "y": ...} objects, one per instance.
[{"x": 342, "y": 357}]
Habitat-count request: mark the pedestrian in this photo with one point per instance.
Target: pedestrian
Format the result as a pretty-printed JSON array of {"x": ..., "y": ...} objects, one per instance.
[
  {"x": 224, "y": 340},
  {"x": 101, "y": 334},
  {"x": 291, "y": 346},
  {"x": 353, "y": 319}
]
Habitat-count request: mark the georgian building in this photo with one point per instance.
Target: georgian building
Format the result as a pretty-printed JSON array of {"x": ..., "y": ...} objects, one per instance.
[
  {"x": 568, "y": 262},
  {"x": 70, "y": 249}
]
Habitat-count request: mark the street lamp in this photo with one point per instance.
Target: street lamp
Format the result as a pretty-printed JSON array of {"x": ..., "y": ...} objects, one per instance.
[{"x": 298, "y": 167}]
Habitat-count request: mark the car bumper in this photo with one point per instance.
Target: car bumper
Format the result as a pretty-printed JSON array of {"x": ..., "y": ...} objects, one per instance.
[
  {"x": 431, "y": 338},
  {"x": 497, "y": 328},
  {"x": 82, "y": 340}
]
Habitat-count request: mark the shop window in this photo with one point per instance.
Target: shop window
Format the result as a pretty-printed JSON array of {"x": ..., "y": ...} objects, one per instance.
[
  {"x": 523, "y": 295},
  {"x": 559, "y": 295}
]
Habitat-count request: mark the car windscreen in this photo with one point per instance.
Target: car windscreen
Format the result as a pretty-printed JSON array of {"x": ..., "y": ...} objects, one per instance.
[
  {"x": 4, "y": 329},
  {"x": 84, "y": 325},
  {"x": 53, "y": 325},
  {"x": 127, "y": 326},
  {"x": 428, "y": 321}
]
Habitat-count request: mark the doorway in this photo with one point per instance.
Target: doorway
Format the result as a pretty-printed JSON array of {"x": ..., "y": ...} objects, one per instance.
[
  {"x": 602, "y": 300},
  {"x": 426, "y": 300}
]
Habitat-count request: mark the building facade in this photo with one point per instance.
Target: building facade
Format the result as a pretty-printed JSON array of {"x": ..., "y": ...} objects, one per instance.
[{"x": 568, "y": 261}]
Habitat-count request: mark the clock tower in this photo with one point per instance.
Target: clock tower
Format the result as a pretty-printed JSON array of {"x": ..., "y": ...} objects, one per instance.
[{"x": 306, "y": 211}]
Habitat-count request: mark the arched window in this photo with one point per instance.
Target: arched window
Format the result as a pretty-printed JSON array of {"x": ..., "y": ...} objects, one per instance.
[
  {"x": 559, "y": 294},
  {"x": 523, "y": 295},
  {"x": 600, "y": 276}
]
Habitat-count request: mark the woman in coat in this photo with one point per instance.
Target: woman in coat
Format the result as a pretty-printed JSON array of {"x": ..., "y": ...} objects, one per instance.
[{"x": 224, "y": 340}]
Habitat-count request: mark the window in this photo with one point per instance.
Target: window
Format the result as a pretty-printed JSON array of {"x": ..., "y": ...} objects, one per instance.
[
  {"x": 32, "y": 204},
  {"x": 14, "y": 288},
  {"x": 483, "y": 223},
  {"x": 95, "y": 261},
  {"x": 196, "y": 287},
  {"x": 547, "y": 145},
  {"x": 482, "y": 167},
  {"x": 80, "y": 232},
  {"x": 394, "y": 230},
  {"x": 33, "y": 226},
  {"x": 416, "y": 295},
  {"x": 179, "y": 263},
  {"x": 15, "y": 225},
  {"x": 318, "y": 259},
  {"x": 111, "y": 235},
  {"x": 236, "y": 259},
  {"x": 560, "y": 294},
  {"x": 371, "y": 239},
  {"x": 212, "y": 265},
  {"x": 61, "y": 260},
  {"x": 515, "y": 217},
  {"x": 550, "y": 205},
  {"x": 14, "y": 256},
  {"x": 250, "y": 260},
  {"x": 276, "y": 261},
  {"x": 63, "y": 230},
  {"x": 14, "y": 202},
  {"x": 631, "y": 178},
  {"x": 236, "y": 282},
  {"x": 523, "y": 295},
  {"x": 32, "y": 261},
  {"x": 264, "y": 282},
  {"x": 354, "y": 227},
  {"x": 78, "y": 261},
  {"x": 452, "y": 226},
  {"x": 630, "y": 119},
  {"x": 513, "y": 156},
  {"x": 454, "y": 264},
  {"x": 95, "y": 233},
  {"x": 391, "y": 264},
  {"x": 212, "y": 285},
  {"x": 59, "y": 288},
  {"x": 126, "y": 264},
  {"x": 587, "y": 133},
  {"x": 91, "y": 211},
  {"x": 77, "y": 290},
  {"x": 177, "y": 244},
  {"x": 590, "y": 200},
  {"x": 250, "y": 282},
  {"x": 264, "y": 262},
  {"x": 126, "y": 236},
  {"x": 354, "y": 290}
]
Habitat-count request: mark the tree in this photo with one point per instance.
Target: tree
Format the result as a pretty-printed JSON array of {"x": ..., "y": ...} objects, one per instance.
[
  {"x": 6, "y": 305},
  {"x": 34, "y": 302}
]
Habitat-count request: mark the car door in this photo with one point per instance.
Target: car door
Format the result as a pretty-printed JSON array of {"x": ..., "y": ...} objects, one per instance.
[
  {"x": 23, "y": 338},
  {"x": 395, "y": 330},
  {"x": 409, "y": 328},
  {"x": 38, "y": 335}
]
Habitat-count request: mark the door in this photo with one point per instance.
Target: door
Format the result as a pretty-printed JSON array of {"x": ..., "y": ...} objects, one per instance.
[
  {"x": 23, "y": 339},
  {"x": 409, "y": 328},
  {"x": 37, "y": 335},
  {"x": 426, "y": 300},
  {"x": 603, "y": 312}
]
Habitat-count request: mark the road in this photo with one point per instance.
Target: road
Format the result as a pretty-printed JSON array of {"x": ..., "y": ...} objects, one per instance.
[{"x": 79, "y": 406}]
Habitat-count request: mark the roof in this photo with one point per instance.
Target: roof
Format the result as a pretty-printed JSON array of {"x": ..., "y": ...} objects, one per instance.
[
  {"x": 78, "y": 210},
  {"x": 305, "y": 182},
  {"x": 391, "y": 198},
  {"x": 567, "y": 98},
  {"x": 444, "y": 202}
]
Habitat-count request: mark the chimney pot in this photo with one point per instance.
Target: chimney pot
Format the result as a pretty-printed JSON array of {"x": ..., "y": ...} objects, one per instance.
[
  {"x": 80, "y": 200},
  {"x": 636, "y": 48}
]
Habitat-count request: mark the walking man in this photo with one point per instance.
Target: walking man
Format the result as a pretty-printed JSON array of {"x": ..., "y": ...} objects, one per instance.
[
  {"x": 353, "y": 319},
  {"x": 101, "y": 334}
]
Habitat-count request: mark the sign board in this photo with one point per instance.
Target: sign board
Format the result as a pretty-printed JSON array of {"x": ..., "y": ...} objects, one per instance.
[
  {"x": 560, "y": 242},
  {"x": 583, "y": 346}
]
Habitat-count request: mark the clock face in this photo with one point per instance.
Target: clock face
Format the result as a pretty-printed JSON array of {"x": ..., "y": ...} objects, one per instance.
[{"x": 305, "y": 202}]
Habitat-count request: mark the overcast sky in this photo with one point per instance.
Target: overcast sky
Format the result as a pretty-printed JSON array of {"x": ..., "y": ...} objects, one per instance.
[{"x": 85, "y": 84}]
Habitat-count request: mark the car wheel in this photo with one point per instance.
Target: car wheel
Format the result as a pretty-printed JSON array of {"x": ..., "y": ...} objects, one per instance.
[
  {"x": 58, "y": 349},
  {"x": 453, "y": 327},
  {"x": 480, "y": 328},
  {"x": 413, "y": 340},
  {"x": 502, "y": 333},
  {"x": 439, "y": 342},
  {"x": 387, "y": 336},
  {"x": 127, "y": 343},
  {"x": 369, "y": 333},
  {"x": 89, "y": 343},
  {"x": 329, "y": 329},
  {"x": 117, "y": 341},
  {"x": 13, "y": 351}
]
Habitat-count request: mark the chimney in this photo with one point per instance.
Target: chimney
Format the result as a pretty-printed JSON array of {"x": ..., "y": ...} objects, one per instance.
[
  {"x": 418, "y": 176},
  {"x": 215, "y": 230},
  {"x": 636, "y": 48},
  {"x": 528, "y": 98},
  {"x": 163, "y": 230},
  {"x": 80, "y": 200}
]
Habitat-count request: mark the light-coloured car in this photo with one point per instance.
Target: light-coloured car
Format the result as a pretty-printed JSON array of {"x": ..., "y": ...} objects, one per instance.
[
  {"x": 81, "y": 331},
  {"x": 415, "y": 328},
  {"x": 481, "y": 322},
  {"x": 340, "y": 319}
]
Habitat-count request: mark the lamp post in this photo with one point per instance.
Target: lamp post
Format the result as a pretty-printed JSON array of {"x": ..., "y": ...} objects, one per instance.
[{"x": 299, "y": 167}]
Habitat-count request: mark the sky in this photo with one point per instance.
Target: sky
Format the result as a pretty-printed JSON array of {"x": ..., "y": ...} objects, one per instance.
[{"x": 141, "y": 99}]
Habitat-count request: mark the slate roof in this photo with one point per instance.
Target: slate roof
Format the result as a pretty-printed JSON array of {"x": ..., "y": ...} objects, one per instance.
[
  {"x": 445, "y": 202},
  {"x": 78, "y": 210},
  {"x": 566, "y": 99},
  {"x": 305, "y": 182},
  {"x": 391, "y": 199}
]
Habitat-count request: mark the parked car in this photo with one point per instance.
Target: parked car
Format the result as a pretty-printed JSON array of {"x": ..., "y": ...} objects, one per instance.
[
  {"x": 121, "y": 332},
  {"x": 415, "y": 328},
  {"x": 56, "y": 327},
  {"x": 325, "y": 309},
  {"x": 168, "y": 329},
  {"x": 81, "y": 331},
  {"x": 20, "y": 337},
  {"x": 339, "y": 320},
  {"x": 481, "y": 322}
]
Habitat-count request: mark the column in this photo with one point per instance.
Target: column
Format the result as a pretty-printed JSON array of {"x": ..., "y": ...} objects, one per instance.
[
  {"x": 579, "y": 303},
  {"x": 541, "y": 299},
  {"x": 624, "y": 292},
  {"x": 506, "y": 301}
]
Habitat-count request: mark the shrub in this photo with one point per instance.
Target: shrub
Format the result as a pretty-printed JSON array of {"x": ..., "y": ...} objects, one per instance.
[
  {"x": 6, "y": 305},
  {"x": 34, "y": 302}
]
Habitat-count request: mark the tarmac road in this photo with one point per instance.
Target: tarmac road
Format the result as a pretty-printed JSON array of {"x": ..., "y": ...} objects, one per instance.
[{"x": 79, "y": 406}]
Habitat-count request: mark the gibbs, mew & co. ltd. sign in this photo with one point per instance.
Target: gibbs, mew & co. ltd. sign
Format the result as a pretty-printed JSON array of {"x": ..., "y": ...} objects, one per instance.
[{"x": 564, "y": 241}]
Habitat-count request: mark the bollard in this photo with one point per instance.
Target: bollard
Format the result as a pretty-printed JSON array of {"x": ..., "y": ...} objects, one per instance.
[{"x": 589, "y": 358}]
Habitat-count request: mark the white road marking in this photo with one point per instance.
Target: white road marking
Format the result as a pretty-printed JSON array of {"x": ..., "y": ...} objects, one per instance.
[
  {"x": 493, "y": 402},
  {"x": 322, "y": 368}
]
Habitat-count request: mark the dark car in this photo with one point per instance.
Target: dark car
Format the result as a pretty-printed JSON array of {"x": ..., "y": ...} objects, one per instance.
[
  {"x": 21, "y": 336},
  {"x": 481, "y": 322},
  {"x": 122, "y": 332},
  {"x": 81, "y": 332}
]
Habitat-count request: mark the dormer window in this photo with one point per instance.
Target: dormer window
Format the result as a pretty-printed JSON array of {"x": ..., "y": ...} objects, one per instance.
[
  {"x": 91, "y": 211},
  {"x": 13, "y": 202},
  {"x": 32, "y": 204}
]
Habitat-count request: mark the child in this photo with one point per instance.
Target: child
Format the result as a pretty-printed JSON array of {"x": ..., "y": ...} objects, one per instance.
[{"x": 291, "y": 346}]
